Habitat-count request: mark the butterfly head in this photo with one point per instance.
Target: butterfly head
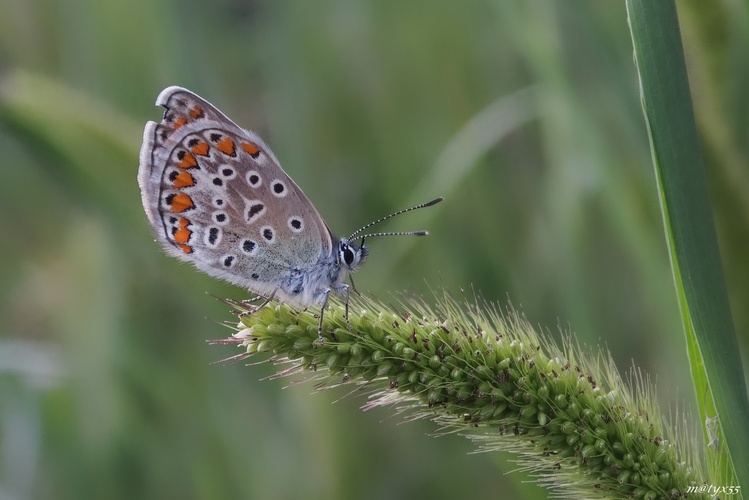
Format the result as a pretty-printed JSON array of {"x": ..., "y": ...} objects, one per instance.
[{"x": 351, "y": 255}]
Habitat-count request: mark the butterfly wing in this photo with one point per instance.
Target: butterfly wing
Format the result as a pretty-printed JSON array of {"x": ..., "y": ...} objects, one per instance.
[{"x": 217, "y": 197}]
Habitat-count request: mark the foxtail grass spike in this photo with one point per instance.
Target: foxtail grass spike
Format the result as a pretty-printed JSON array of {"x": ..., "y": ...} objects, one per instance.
[{"x": 568, "y": 416}]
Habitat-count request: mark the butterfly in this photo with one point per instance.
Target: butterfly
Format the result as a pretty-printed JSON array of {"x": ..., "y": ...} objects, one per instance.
[{"x": 217, "y": 197}]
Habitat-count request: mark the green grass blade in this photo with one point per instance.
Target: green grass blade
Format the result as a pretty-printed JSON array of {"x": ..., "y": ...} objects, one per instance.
[{"x": 712, "y": 345}]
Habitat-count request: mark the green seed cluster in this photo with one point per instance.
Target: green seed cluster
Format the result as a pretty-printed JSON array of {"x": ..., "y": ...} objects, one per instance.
[{"x": 478, "y": 369}]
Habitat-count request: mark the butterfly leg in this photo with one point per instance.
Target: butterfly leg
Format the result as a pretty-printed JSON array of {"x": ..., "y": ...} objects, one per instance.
[
  {"x": 347, "y": 293},
  {"x": 253, "y": 309},
  {"x": 326, "y": 296},
  {"x": 341, "y": 289},
  {"x": 248, "y": 302},
  {"x": 353, "y": 287}
]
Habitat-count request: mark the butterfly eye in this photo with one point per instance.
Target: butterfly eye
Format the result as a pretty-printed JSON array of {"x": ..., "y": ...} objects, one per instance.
[
  {"x": 348, "y": 256},
  {"x": 346, "y": 253}
]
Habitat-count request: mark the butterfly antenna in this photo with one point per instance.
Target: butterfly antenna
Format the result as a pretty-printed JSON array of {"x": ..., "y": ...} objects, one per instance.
[
  {"x": 394, "y": 233},
  {"x": 408, "y": 233}
]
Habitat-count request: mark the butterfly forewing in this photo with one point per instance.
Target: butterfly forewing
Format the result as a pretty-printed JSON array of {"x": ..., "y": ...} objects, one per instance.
[{"x": 217, "y": 197}]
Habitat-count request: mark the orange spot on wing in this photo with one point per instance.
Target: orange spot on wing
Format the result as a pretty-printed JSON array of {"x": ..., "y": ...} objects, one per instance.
[
  {"x": 183, "y": 180},
  {"x": 179, "y": 122},
  {"x": 250, "y": 148},
  {"x": 188, "y": 161},
  {"x": 196, "y": 112},
  {"x": 201, "y": 149},
  {"x": 182, "y": 235},
  {"x": 185, "y": 248},
  {"x": 226, "y": 146},
  {"x": 181, "y": 202}
]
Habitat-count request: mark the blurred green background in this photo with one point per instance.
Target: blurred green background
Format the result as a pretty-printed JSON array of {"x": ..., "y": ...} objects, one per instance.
[{"x": 525, "y": 115}]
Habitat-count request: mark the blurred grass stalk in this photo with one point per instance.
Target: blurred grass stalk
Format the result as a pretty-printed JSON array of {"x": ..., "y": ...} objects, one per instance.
[{"x": 712, "y": 346}]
